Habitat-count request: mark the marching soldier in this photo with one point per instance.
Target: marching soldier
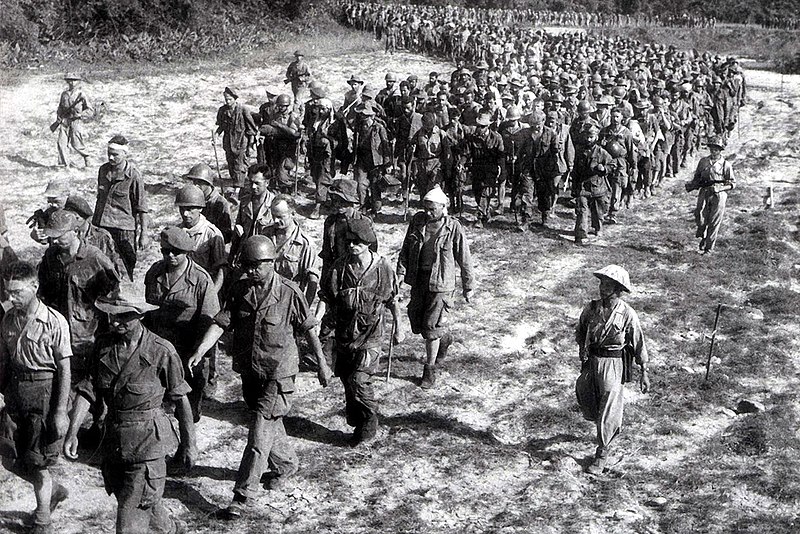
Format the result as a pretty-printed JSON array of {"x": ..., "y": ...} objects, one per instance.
[
  {"x": 217, "y": 210},
  {"x": 434, "y": 244},
  {"x": 373, "y": 157},
  {"x": 264, "y": 311},
  {"x": 133, "y": 372},
  {"x": 589, "y": 184},
  {"x": 298, "y": 75},
  {"x": 485, "y": 154},
  {"x": 238, "y": 130},
  {"x": 618, "y": 142}
]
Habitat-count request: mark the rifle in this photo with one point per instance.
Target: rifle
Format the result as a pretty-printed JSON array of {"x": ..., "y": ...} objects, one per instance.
[
  {"x": 216, "y": 157},
  {"x": 57, "y": 123},
  {"x": 296, "y": 163},
  {"x": 391, "y": 350}
]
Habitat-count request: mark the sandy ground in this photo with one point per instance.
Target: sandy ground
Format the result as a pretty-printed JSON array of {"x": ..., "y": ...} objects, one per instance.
[{"x": 499, "y": 445}]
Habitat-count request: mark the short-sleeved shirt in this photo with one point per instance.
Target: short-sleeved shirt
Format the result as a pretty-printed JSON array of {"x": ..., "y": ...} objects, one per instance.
[
  {"x": 209, "y": 245},
  {"x": 34, "y": 345},
  {"x": 120, "y": 196},
  {"x": 218, "y": 213},
  {"x": 264, "y": 320},
  {"x": 296, "y": 260},
  {"x": 133, "y": 382},
  {"x": 71, "y": 286},
  {"x": 186, "y": 308}
]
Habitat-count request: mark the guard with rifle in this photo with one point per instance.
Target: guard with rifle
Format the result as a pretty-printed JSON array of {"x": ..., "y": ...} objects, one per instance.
[
  {"x": 73, "y": 108},
  {"x": 357, "y": 289},
  {"x": 713, "y": 178}
]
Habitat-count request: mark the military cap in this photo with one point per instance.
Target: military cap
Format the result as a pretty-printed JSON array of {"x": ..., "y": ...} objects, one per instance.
[
  {"x": 360, "y": 230},
  {"x": 272, "y": 91},
  {"x": 717, "y": 141},
  {"x": 463, "y": 71},
  {"x": 642, "y": 103},
  {"x": 584, "y": 106},
  {"x": 78, "y": 206},
  {"x": 484, "y": 119},
  {"x": 536, "y": 117},
  {"x": 552, "y": 114},
  {"x": 232, "y": 92},
  {"x": 605, "y": 100},
  {"x": 317, "y": 89},
  {"x": 200, "y": 172},
  {"x": 513, "y": 113},
  {"x": 72, "y": 76},
  {"x": 346, "y": 189},
  {"x": 123, "y": 300},
  {"x": 177, "y": 239},
  {"x": 591, "y": 128},
  {"x": 596, "y": 78},
  {"x": 618, "y": 92},
  {"x": 299, "y": 53},
  {"x": 556, "y": 97},
  {"x": 502, "y": 80},
  {"x": 59, "y": 223},
  {"x": 516, "y": 81},
  {"x": 190, "y": 196},
  {"x": 571, "y": 89},
  {"x": 56, "y": 188},
  {"x": 482, "y": 65},
  {"x": 366, "y": 111},
  {"x": 368, "y": 92},
  {"x": 657, "y": 101},
  {"x": 390, "y": 77},
  {"x": 355, "y": 79}
]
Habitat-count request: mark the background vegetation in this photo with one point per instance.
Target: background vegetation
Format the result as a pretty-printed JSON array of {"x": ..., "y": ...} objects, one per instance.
[{"x": 37, "y": 32}]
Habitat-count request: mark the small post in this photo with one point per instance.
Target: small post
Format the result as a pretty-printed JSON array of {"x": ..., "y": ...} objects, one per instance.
[{"x": 713, "y": 340}]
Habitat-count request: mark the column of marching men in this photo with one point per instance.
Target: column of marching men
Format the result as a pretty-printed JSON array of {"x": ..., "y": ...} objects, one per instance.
[{"x": 537, "y": 115}]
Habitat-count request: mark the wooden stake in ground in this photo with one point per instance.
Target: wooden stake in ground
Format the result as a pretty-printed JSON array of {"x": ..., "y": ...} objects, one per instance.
[
  {"x": 713, "y": 339},
  {"x": 391, "y": 350}
]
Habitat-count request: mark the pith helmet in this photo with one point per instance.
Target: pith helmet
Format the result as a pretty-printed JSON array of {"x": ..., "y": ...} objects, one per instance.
[
  {"x": 258, "y": 248},
  {"x": 717, "y": 141},
  {"x": 513, "y": 113},
  {"x": 191, "y": 196},
  {"x": 617, "y": 274}
]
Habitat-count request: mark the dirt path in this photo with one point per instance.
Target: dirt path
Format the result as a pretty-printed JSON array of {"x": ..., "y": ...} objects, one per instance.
[{"x": 498, "y": 446}]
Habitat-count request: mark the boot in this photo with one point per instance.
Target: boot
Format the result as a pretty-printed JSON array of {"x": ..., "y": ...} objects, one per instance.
[{"x": 428, "y": 377}]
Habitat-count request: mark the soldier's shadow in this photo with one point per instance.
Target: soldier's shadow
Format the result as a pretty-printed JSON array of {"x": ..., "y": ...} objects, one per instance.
[
  {"x": 28, "y": 164},
  {"x": 299, "y": 427},
  {"x": 189, "y": 496}
]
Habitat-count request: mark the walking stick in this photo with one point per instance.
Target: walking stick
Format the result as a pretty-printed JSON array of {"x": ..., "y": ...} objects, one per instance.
[
  {"x": 713, "y": 339},
  {"x": 391, "y": 350},
  {"x": 296, "y": 163},
  {"x": 216, "y": 157}
]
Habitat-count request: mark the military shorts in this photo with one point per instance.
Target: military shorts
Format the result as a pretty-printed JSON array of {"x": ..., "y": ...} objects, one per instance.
[
  {"x": 427, "y": 311},
  {"x": 25, "y": 436}
]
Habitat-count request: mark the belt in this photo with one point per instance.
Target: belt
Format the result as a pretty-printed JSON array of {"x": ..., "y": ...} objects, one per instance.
[
  {"x": 33, "y": 376},
  {"x": 605, "y": 353},
  {"x": 130, "y": 416}
]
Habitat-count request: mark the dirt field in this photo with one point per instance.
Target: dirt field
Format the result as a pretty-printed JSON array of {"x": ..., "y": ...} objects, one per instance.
[{"x": 499, "y": 445}]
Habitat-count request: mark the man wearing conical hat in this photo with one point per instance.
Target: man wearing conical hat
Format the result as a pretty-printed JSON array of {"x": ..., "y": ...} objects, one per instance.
[
  {"x": 609, "y": 339},
  {"x": 73, "y": 107}
]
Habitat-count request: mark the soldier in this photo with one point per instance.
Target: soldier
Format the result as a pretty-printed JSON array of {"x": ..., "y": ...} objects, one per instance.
[
  {"x": 238, "y": 130},
  {"x": 295, "y": 259},
  {"x": 428, "y": 148},
  {"x": 299, "y": 76},
  {"x": 485, "y": 154},
  {"x": 217, "y": 210},
  {"x": 186, "y": 302},
  {"x": 373, "y": 157},
  {"x": 56, "y": 195},
  {"x": 254, "y": 215},
  {"x": 589, "y": 184},
  {"x": 514, "y": 136},
  {"x": 264, "y": 311},
  {"x": 565, "y": 156},
  {"x": 209, "y": 246},
  {"x": 713, "y": 178},
  {"x": 91, "y": 234},
  {"x": 539, "y": 155},
  {"x": 434, "y": 243},
  {"x": 72, "y": 275},
  {"x": 133, "y": 372},
  {"x": 357, "y": 290},
  {"x": 609, "y": 339},
  {"x": 35, "y": 379},
  {"x": 281, "y": 132},
  {"x": 454, "y": 171},
  {"x": 618, "y": 142},
  {"x": 406, "y": 126},
  {"x": 73, "y": 108},
  {"x": 320, "y": 161},
  {"x": 121, "y": 206}
]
